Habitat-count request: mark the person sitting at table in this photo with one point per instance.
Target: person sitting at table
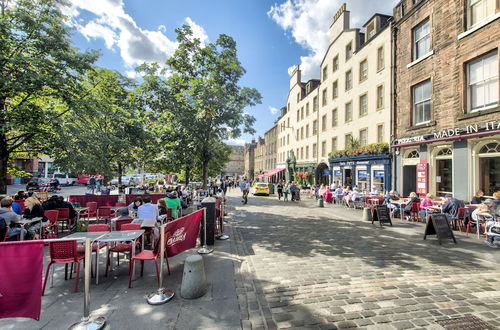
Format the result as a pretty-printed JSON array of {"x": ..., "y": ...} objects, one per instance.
[
  {"x": 32, "y": 193},
  {"x": 327, "y": 196},
  {"x": 173, "y": 202},
  {"x": 451, "y": 206},
  {"x": 425, "y": 203},
  {"x": 478, "y": 197},
  {"x": 34, "y": 209},
  {"x": 10, "y": 218},
  {"x": 496, "y": 204},
  {"x": 374, "y": 191},
  {"x": 20, "y": 195},
  {"x": 392, "y": 196},
  {"x": 51, "y": 203},
  {"x": 339, "y": 194},
  {"x": 162, "y": 207},
  {"x": 17, "y": 208},
  {"x": 353, "y": 196},
  {"x": 132, "y": 208},
  {"x": 147, "y": 210},
  {"x": 413, "y": 200}
]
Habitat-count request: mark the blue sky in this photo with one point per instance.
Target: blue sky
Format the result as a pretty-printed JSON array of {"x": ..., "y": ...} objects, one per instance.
[{"x": 271, "y": 36}]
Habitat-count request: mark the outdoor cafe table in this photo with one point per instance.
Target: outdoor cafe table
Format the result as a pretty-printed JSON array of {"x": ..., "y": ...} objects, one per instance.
[
  {"x": 110, "y": 236},
  {"x": 402, "y": 204},
  {"x": 23, "y": 222}
]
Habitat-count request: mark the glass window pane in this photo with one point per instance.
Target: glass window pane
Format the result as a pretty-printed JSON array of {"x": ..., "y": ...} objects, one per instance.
[{"x": 489, "y": 168}]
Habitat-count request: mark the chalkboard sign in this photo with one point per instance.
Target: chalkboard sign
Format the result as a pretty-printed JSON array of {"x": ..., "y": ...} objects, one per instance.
[
  {"x": 382, "y": 215},
  {"x": 438, "y": 225}
]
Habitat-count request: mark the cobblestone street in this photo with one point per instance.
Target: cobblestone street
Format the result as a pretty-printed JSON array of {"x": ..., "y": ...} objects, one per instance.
[{"x": 310, "y": 267}]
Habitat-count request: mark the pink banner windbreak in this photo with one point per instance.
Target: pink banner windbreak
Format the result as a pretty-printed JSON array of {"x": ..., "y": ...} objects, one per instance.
[
  {"x": 21, "y": 266},
  {"x": 182, "y": 233}
]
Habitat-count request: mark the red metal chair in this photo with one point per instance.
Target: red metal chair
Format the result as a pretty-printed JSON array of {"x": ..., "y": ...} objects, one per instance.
[
  {"x": 415, "y": 211},
  {"x": 461, "y": 218},
  {"x": 104, "y": 213},
  {"x": 120, "y": 204},
  {"x": 92, "y": 212},
  {"x": 123, "y": 247},
  {"x": 121, "y": 222},
  {"x": 64, "y": 252},
  {"x": 64, "y": 217},
  {"x": 95, "y": 228},
  {"x": 148, "y": 255},
  {"x": 52, "y": 216}
]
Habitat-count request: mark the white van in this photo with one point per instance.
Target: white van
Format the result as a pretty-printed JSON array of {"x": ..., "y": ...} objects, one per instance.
[{"x": 63, "y": 178}]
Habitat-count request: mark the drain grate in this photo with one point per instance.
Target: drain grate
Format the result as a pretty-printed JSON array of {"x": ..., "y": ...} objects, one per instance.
[{"x": 468, "y": 322}]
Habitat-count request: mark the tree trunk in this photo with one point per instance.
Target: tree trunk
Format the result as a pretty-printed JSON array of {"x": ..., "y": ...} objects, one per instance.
[
  {"x": 188, "y": 173},
  {"x": 4, "y": 151},
  {"x": 205, "y": 173},
  {"x": 120, "y": 170}
]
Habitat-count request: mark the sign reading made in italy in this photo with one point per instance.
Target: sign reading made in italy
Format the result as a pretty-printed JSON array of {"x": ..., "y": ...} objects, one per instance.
[{"x": 450, "y": 132}]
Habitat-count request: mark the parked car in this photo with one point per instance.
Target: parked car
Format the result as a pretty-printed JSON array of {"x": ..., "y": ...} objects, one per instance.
[
  {"x": 260, "y": 188},
  {"x": 64, "y": 179},
  {"x": 83, "y": 179}
]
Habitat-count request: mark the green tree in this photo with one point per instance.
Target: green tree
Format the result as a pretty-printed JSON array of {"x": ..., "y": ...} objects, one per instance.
[
  {"x": 105, "y": 132},
  {"x": 40, "y": 75},
  {"x": 202, "y": 95}
]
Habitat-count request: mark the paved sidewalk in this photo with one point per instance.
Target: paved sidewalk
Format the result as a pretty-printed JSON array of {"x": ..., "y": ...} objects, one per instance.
[{"x": 323, "y": 268}]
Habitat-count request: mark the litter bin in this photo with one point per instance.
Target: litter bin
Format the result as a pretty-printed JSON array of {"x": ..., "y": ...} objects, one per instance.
[{"x": 271, "y": 189}]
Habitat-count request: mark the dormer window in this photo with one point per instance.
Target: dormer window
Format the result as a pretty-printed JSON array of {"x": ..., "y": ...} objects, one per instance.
[
  {"x": 370, "y": 30},
  {"x": 308, "y": 88}
]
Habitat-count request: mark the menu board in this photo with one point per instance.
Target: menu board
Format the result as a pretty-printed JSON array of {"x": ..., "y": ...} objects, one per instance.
[
  {"x": 422, "y": 178},
  {"x": 381, "y": 214},
  {"x": 439, "y": 225}
]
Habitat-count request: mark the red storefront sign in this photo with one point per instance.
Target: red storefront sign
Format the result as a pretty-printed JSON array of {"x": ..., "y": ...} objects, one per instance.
[{"x": 422, "y": 178}]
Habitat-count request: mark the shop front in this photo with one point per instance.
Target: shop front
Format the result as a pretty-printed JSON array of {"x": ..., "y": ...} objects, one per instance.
[
  {"x": 362, "y": 171},
  {"x": 305, "y": 174},
  {"x": 457, "y": 161}
]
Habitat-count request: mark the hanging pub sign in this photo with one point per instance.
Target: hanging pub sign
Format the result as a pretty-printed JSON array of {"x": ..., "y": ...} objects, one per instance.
[
  {"x": 491, "y": 126},
  {"x": 422, "y": 178}
]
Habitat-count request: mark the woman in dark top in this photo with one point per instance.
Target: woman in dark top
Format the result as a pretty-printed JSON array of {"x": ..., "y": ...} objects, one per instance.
[
  {"x": 34, "y": 210},
  {"x": 162, "y": 207},
  {"x": 478, "y": 197}
]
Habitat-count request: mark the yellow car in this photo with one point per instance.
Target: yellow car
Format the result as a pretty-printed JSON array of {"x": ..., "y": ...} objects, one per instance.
[{"x": 259, "y": 188}]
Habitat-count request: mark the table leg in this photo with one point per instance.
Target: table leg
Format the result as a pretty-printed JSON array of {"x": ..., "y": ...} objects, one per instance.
[
  {"x": 22, "y": 232},
  {"x": 97, "y": 264},
  {"x": 132, "y": 254}
]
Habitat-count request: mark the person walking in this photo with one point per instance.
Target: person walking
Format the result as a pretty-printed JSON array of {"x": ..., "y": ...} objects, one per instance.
[
  {"x": 280, "y": 190},
  {"x": 286, "y": 190},
  {"x": 92, "y": 183}
]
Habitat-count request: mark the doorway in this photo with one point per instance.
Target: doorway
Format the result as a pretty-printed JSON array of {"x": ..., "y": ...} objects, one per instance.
[
  {"x": 409, "y": 179},
  {"x": 347, "y": 177}
]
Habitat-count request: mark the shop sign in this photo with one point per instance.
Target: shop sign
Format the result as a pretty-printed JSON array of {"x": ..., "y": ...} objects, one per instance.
[
  {"x": 378, "y": 174},
  {"x": 362, "y": 174},
  {"x": 337, "y": 173},
  {"x": 347, "y": 163},
  {"x": 422, "y": 178},
  {"x": 451, "y": 132}
]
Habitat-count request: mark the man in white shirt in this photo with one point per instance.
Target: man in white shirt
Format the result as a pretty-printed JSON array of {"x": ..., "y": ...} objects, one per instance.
[{"x": 147, "y": 211}]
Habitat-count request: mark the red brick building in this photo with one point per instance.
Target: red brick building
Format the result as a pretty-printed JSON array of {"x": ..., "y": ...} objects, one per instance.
[{"x": 446, "y": 119}]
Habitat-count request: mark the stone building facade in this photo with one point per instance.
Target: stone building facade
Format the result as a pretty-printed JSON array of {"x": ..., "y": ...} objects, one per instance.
[
  {"x": 249, "y": 159},
  {"x": 235, "y": 167},
  {"x": 447, "y": 116},
  {"x": 271, "y": 138},
  {"x": 260, "y": 157}
]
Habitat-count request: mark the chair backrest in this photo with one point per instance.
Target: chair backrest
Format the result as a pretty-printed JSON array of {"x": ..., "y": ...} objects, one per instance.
[
  {"x": 130, "y": 226},
  {"x": 120, "y": 204},
  {"x": 461, "y": 212},
  {"x": 120, "y": 223},
  {"x": 92, "y": 206},
  {"x": 99, "y": 227},
  {"x": 52, "y": 215},
  {"x": 415, "y": 207},
  {"x": 104, "y": 211},
  {"x": 4, "y": 237},
  {"x": 63, "y": 250},
  {"x": 63, "y": 213}
]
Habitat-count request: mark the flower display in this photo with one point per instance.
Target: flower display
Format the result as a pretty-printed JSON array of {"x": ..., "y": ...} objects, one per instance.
[{"x": 374, "y": 148}]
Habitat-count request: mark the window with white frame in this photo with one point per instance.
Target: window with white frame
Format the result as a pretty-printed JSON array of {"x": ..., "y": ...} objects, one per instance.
[
  {"x": 315, "y": 127},
  {"x": 421, "y": 39},
  {"x": 348, "y": 112},
  {"x": 363, "y": 70},
  {"x": 380, "y": 97},
  {"x": 315, "y": 150},
  {"x": 307, "y": 152},
  {"x": 307, "y": 109},
  {"x": 479, "y": 10},
  {"x": 307, "y": 131},
  {"x": 324, "y": 97},
  {"x": 315, "y": 104},
  {"x": 380, "y": 133},
  {"x": 348, "y": 141},
  {"x": 335, "y": 117},
  {"x": 325, "y": 72},
  {"x": 323, "y": 149},
  {"x": 421, "y": 102},
  {"x": 335, "y": 63},
  {"x": 363, "y": 137},
  {"x": 363, "y": 107},
  {"x": 482, "y": 82},
  {"x": 335, "y": 89},
  {"x": 323, "y": 123},
  {"x": 380, "y": 58},
  {"x": 348, "y": 80},
  {"x": 334, "y": 144},
  {"x": 348, "y": 51}
]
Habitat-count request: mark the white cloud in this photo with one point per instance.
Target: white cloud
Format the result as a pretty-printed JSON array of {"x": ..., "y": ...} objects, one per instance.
[
  {"x": 235, "y": 142},
  {"x": 119, "y": 30},
  {"x": 308, "y": 22},
  {"x": 273, "y": 110}
]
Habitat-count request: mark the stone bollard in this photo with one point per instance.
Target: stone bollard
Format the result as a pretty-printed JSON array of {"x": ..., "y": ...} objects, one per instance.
[
  {"x": 321, "y": 202},
  {"x": 367, "y": 214},
  {"x": 194, "y": 282}
]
